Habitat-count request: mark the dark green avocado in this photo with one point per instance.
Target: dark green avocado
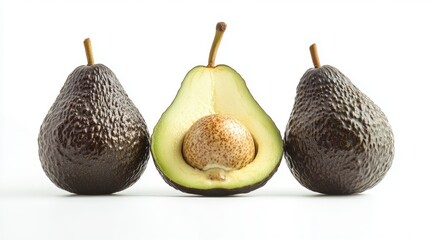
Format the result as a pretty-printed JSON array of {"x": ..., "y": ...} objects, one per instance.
[
  {"x": 93, "y": 139},
  {"x": 337, "y": 140}
]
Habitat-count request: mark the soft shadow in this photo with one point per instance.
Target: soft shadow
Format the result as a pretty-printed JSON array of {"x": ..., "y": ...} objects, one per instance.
[
  {"x": 255, "y": 194},
  {"x": 147, "y": 193},
  {"x": 172, "y": 193},
  {"x": 356, "y": 195},
  {"x": 299, "y": 194}
]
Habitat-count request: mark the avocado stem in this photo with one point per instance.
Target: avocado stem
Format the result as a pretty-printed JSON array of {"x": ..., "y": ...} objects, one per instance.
[
  {"x": 88, "y": 51},
  {"x": 314, "y": 55},
  {"x": 220, "y": 29}
]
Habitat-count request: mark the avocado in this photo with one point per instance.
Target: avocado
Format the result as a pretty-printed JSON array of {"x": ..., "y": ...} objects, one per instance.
[
  {"x": 93, "y": 139},
  {"x": 214, "y": 139},
  {"x": 337, "y": 140}
]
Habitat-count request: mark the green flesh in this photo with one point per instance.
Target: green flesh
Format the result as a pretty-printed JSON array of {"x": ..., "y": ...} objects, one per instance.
[{"x": 206, "y": 91}]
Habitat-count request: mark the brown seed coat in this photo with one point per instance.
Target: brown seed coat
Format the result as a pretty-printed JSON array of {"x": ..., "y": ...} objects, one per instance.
[{"x": 218, "y": 141}]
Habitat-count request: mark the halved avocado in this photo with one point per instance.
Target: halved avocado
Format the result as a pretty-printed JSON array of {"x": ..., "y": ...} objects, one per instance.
[{"x": 205, "y": 91}]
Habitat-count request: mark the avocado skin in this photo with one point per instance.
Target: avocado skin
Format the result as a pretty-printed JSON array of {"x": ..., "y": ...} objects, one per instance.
[
  {"x": 93, "y": 139},
  {"x": 217, "y": 192},
  {"x": 337, "y": 141}
]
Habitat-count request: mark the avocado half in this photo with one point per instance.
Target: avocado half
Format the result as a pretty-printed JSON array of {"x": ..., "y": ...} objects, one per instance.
[{"x": 208, "y": 90}]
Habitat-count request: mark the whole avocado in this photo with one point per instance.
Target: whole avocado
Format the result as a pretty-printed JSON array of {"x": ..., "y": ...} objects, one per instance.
[
  {"x": 337, "y": 140},
  {"x": 93, "y": 139}
]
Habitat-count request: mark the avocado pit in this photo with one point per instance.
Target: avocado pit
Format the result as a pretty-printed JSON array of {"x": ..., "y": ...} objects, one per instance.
[{"x": 218, "y": 143}]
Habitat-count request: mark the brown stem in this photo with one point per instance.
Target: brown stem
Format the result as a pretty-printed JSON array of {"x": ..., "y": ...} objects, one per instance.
[
  {"x": 88, "y": 51},
  {"x": 314, "y": 55},
  {"x": 220, "y": 29}
]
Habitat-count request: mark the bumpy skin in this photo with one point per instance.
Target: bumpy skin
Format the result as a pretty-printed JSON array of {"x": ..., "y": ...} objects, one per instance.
[
  {"x": 93, "y": 139},
  {"x": 337, "y": 140}
]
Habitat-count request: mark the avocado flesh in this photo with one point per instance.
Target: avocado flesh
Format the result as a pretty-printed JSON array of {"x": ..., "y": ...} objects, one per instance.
[
  {"x": 337, "y": 140},
  {"x": 93, "y": 139},
  {"x": 206, "y": 91}
]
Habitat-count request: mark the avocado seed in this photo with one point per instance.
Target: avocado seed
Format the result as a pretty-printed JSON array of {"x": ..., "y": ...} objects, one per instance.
[{"x": 218, "y": 141}]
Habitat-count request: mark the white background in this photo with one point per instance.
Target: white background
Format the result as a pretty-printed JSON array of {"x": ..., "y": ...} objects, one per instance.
[{"x": 382, "y": 46}]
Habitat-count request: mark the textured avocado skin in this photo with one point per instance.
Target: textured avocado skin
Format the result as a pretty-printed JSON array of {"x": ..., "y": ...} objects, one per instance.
[
  {"x": 337, "y": 141},
  {"x": 93, "y": 139},
  {"x": 217, "y": 192}
]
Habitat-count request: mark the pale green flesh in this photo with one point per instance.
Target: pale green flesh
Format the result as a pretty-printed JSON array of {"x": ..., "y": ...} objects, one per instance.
[{"x": 207, "y": 91}]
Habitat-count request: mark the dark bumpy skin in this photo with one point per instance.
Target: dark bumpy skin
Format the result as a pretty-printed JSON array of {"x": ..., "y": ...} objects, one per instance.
[
  {"x": 217, "y": 192},
  {"x": 337, "y": 140},
  {"x": 93, "y": 139}
]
